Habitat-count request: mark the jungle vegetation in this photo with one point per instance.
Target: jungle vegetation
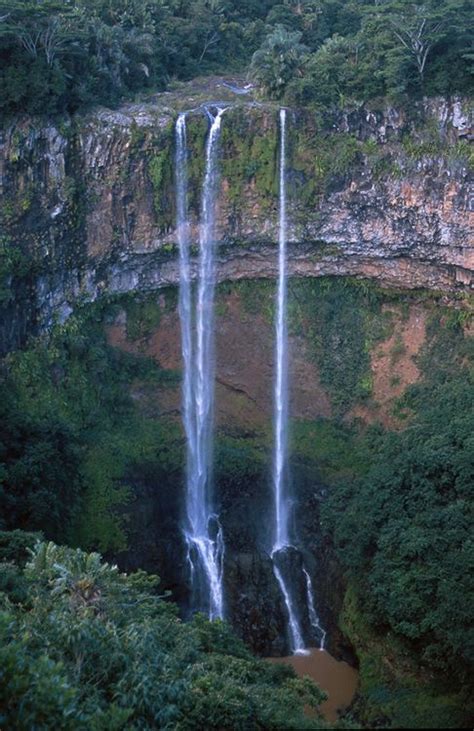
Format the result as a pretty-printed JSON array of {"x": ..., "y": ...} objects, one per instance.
[{"x": 58, "y": 57}]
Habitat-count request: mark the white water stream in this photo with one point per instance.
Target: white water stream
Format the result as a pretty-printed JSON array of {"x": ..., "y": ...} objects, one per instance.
[
  {"x": 203, "y": 533},
  {"x": 281, "y": 541}
]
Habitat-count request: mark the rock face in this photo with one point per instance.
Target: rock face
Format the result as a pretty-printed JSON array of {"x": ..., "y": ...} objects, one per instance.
[
  {"x": 244, "y": 408},
  {"x": 87, "y": 206}
]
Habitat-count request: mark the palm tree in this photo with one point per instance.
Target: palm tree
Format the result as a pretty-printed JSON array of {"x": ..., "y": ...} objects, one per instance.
[{"x": 280, "y": 58}]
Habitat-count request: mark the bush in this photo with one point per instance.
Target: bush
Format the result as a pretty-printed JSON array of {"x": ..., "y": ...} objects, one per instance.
[{"x": 100, "y": 649}]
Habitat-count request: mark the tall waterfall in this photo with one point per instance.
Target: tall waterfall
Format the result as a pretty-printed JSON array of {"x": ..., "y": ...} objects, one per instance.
[
  {"x": 203, "y": 533},
  {"x": 283, "y": 550},
  {"x": 281, "y": 540}
]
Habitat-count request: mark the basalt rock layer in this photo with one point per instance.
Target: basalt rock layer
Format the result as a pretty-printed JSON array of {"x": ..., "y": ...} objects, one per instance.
[{"x": 87, "y": 205}]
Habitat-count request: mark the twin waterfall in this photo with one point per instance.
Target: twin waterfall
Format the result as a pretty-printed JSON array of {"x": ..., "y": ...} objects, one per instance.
[
  {"x": 202, "y": 530},
  {"x": 203, "y": 533}
]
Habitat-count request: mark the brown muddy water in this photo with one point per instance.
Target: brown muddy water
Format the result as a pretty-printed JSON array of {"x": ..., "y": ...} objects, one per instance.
[{"x": 338, "y": 679}]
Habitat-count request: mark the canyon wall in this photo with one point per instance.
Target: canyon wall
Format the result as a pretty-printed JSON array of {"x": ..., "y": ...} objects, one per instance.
[
  {"x": 87, "y": 204},
  {"x": 377, "y": 356}
]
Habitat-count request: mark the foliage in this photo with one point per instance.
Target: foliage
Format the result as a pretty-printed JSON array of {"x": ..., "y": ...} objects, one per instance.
[
  {"x": 335, "y": 450},
  {"x": 99, "y": 649},
  {"x": 62, "y": 56},
  {"x": 59, "y": 57},
  {"x": 39, "y": 460},
  {"x": 71, "y": 436},
  {"x": 280, "y": 58},
  {"x": 402, "y": 531},
  {"x": 326, "y": 162},
  {"x": 341, "y": 319},
  {"x": 394, "y": 48},
  {"x": 14, "y": 265},
  {"x": 394, "y": 691}
]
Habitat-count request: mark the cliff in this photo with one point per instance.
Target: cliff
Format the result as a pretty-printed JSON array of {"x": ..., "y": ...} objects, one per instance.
[{"x": 87, "y": 204}]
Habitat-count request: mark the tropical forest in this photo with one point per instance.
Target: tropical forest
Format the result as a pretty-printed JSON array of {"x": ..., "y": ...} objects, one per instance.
[{"x": 236, "y": 364}]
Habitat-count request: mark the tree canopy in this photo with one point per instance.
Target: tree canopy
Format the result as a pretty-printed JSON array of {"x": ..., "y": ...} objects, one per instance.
[
  {"x": 89, "y": 647},
  {"x": 57, "y": 57},
  {"x": 403, "y": 530}
]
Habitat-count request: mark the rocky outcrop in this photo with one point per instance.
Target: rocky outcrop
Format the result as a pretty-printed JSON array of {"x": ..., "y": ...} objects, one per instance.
[{"x": 87, "y": 205}]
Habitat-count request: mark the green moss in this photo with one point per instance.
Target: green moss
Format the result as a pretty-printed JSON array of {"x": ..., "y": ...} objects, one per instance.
[
  {"x": 75, "y": 378},
  {"x": 156, "y": 169},
  {"x": 380, "y": 162},
  {"x": 250, "y": 157},
  {"x": 160, "y": 166},
  {"x": 256, "y": 297},
  {"x": 15, "y": 206},
  {"x": 337, "y": 318},
  {"x": 322, "y": 161},
  {"x": 335, "y": 450},
  {"x": 137, "y": 136},
  {"x": 159, "y": 170},
  {"x": 16, "y": 143},
  {"x": 430, "y": 142},
  {"x": 14, "y": 264}
]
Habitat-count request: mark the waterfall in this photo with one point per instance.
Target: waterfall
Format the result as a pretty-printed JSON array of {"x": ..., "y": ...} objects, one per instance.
[
  {"x": 281, "y": 383},
  {"x": 313, "y": 617},
  {"x": 185, "y": 301},
  {"x": 282, "y": 504},
  {"x": 203, "y": 532},
  {"x": 281, "y": 541}
]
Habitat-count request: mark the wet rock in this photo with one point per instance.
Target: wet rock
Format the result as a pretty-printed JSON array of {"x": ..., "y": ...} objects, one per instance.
[{"x": 254, "y": 603}]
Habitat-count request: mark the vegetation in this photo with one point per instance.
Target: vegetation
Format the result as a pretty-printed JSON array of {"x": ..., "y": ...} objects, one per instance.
[
  {"x": 57, "y": 57},
  {"x": 402, "y": 529},
  {"x": 84, "y": 645},
  {"x": 342, "y": 319},
  {"x": 278, "y": 60},
  {"x": 70, "y": 435},
  {"x": 357, "y": 51},
  {"x": 88, "y": 647},
  {"x": 395, "y": 691}
]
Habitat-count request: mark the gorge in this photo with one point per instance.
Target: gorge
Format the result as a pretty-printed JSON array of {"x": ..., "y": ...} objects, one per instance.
[{"x": 179, "y": 251}]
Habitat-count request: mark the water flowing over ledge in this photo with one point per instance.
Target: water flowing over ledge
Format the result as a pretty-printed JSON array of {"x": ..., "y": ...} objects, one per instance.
[
  {"x": 99, "y": 216},
  {"x": 203, "y": 532},
  {"x": 283, "y": 545}
]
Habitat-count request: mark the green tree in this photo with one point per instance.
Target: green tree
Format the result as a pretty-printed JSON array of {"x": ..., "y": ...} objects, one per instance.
[
  {"x": 99, "y": 649},
  {"x": 403, "y": 531},
  {"x": 418, "y": 26},
  {"x": 280, "y": 58}
]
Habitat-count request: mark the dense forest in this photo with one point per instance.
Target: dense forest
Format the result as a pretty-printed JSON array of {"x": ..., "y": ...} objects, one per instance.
[
  {"x": 62, "y": 56},
  {"x": 89, "y": 422}
]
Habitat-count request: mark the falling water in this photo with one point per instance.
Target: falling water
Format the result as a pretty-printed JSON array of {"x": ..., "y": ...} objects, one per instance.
[
  {"x": 185, "y": 303},
  {"x": 281, "y": 540},
  {"x": 203, "y": 532},
  {"x": 313, "y": 617}
]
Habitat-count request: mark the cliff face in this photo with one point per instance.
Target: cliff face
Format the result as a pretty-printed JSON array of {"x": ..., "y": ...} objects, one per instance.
[
  {"x": 87, "y": 206},
  {"x": 353, "y": 353}
]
